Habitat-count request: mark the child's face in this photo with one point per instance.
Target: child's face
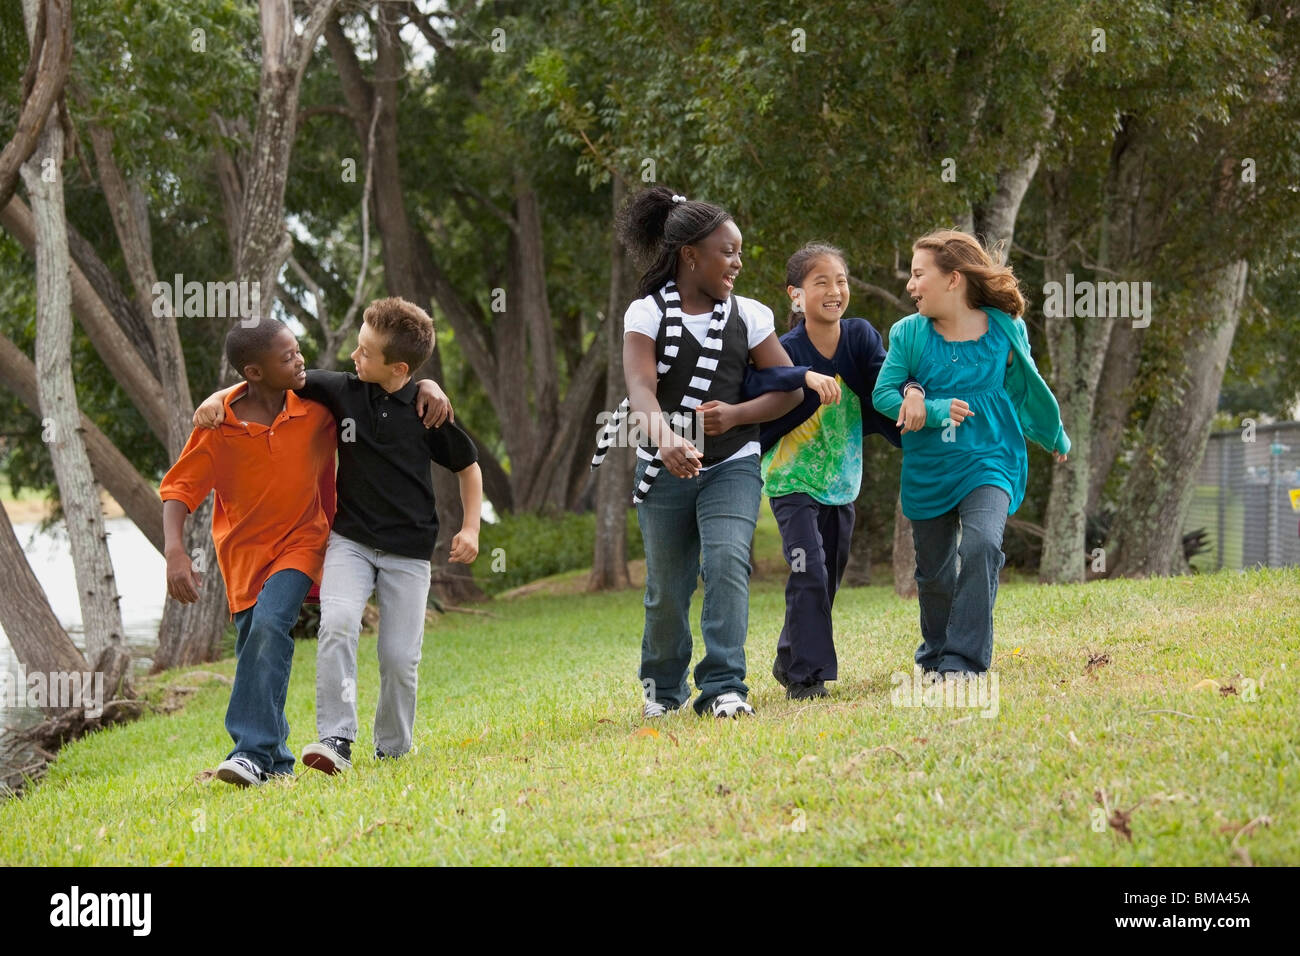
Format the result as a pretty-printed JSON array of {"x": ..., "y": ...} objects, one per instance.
[
  {"x": 825, "y": 290},
  {"x": 281, "y": 366},
  {"x": 930, "y": 287},
  {"x": 369, "y": 356},
  {"x": 717, "y": 261}
]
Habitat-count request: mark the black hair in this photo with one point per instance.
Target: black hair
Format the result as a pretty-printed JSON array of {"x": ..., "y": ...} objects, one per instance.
[
  {"x": 654, "y": 228},
  {"x": 799, "y": 264},
  {"x": 247, "y": 346}
]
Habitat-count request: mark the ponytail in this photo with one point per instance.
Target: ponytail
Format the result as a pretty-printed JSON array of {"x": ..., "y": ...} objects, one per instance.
[{"x": 654, "y": 228}]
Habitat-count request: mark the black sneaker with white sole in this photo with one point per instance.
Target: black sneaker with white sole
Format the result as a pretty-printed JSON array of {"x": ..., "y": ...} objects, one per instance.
[
  {"x": 241, "y": 772},
  {"x": 331, "y": 755}
]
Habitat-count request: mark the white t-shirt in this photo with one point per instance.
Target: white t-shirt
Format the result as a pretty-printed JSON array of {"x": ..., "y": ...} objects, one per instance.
[{"x": 643, "y": 316}]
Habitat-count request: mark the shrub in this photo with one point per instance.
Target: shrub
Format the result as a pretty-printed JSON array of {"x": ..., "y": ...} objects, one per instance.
[{"x": 536, "y": 546}]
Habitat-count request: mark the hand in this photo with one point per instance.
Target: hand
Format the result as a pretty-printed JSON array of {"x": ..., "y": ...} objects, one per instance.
[
  {"x": 959, "y": 411},
  {"x": 183, "y": 582},
  {"x": 682, "y": 460},
  {"x": 716, "y": 417},
  {"x": 464, "y": 547},
  {"x": 911, "y": 417},
  {"x": 432, "y": 404},
  {"x": 827, "y": 389},
  {"x": 1058, "y": 457},
  {"x": 211, "y": 413}
]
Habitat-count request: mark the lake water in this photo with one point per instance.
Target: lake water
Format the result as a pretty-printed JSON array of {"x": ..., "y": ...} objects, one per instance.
[{"x": 141, "y": 582}]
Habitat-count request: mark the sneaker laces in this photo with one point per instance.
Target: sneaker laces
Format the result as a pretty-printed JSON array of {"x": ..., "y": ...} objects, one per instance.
[{"x": 653, "y": 709}]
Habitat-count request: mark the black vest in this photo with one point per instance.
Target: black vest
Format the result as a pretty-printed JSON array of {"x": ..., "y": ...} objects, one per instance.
[{"x": 726, "y": 386}]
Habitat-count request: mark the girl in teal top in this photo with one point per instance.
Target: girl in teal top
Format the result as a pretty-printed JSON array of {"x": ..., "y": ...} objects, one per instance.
[{"x": 964, "y": 461}]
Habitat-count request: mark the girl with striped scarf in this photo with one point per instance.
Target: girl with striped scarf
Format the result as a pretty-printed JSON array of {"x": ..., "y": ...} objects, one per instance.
[{"x": 688, "y": 340}]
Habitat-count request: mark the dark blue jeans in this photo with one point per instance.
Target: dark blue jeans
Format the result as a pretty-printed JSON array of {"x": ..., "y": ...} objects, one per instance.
[
  {"x": 693, "y": 525},
  {"x": 958, "y": 583},
  {"x": 815, "y": 538},
  {"x": 264, "y": 656}
]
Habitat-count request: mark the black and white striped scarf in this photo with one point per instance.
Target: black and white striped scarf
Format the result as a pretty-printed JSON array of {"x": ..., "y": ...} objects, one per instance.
[{"x": 670, "y": 302}]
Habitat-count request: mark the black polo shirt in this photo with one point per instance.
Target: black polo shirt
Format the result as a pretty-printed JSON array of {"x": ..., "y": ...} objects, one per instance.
[{"x": 385, "y": 488}]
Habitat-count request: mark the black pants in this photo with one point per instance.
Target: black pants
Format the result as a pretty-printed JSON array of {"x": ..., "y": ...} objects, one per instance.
[{"x": 815, "y": 538}]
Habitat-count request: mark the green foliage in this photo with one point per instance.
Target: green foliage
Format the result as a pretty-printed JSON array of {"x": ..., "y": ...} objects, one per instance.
[{"x": 532, "y": 546}]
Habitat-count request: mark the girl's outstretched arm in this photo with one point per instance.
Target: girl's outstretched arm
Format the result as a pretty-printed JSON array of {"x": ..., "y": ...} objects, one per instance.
[{"x": 718, "y": 417}]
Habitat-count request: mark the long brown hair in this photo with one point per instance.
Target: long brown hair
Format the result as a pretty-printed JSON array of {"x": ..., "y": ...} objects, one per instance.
[{"x": 987, "y": 281}]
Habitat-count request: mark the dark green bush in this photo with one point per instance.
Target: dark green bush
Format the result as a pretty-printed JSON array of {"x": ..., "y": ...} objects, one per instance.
[{"x": 535, "y": 546}]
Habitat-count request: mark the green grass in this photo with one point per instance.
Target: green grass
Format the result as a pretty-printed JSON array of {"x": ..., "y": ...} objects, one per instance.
[{"x": 528, "y": 751}]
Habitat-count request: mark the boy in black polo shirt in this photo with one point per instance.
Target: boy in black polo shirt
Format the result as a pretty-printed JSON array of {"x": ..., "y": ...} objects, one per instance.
[{"x": 384, "y": 528}]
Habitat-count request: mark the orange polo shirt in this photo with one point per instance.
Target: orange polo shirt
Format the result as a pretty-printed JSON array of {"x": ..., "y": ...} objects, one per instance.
[{"x": 274, "y": 492}]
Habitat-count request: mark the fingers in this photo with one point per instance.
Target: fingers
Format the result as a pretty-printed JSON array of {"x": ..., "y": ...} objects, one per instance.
[{"x": 436, "y": 413}]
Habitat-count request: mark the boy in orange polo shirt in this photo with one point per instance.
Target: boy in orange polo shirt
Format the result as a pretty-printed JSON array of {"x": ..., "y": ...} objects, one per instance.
[{"x": 267, "y": 462}]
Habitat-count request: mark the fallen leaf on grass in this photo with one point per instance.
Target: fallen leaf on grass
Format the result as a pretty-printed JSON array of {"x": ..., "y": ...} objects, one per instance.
[
  {"x": 1206, "y": 684},
  {"x": 1095, "y": 662},
  {"x": 1227, "y": 690},
  {"x": 722, "y": 790},
  {"x": 645, "y": 732},
  {"x": 203, "y": 776},
  {"x": 604, "y": 720}
]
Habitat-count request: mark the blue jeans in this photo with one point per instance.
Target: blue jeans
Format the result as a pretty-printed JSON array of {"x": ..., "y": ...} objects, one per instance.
[
  {"x": 263, "y": 658},
  {"x": 693, "y": 525},
  {"x": 957, "y": 601}
]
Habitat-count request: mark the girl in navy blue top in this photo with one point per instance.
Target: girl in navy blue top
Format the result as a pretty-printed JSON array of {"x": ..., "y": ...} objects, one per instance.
[{"x": 812, "y": 461}]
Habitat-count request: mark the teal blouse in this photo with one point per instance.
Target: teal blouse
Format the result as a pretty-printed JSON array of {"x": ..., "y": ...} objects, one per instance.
[{"x": 941, "y": 466}]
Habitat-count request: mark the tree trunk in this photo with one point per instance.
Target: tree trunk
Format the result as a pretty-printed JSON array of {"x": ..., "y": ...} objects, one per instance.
[
  {"x": 613, "y": 490},
  {"x": 96, "y": 585},
  {"x": 1148, "y": 528},
  {"x": 1077, "y": 347},
  {"x": 112, "y": 345},
  {"x": 904, "y": 555},
  {"x": 38, "y": 639},
  {"x": 1126, "y": 210},
  {"x": 137, "y": 497},
  {"x": 131, "y": 223},
  {"x": 50, "y": 40}
]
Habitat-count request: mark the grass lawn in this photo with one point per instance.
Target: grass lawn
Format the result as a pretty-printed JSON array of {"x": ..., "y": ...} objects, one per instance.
[{"x": 530, "y": 749}]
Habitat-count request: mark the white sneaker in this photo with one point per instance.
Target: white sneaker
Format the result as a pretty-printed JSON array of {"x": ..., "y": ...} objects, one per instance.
[
  {"x": 731, "y": 704},
  {"x": 241, "y": 771},
  {"x": 653, "y": 709}
]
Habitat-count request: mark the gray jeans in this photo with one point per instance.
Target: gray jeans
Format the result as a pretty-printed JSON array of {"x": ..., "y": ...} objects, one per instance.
[{"x": 352, "y": 572}]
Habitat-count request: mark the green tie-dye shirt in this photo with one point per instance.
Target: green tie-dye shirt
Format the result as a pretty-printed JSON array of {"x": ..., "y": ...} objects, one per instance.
[{"x": 821, "y": 458}]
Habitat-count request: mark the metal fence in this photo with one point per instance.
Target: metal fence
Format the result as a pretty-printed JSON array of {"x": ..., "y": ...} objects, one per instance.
[{"x": 1245, "y": 498}]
